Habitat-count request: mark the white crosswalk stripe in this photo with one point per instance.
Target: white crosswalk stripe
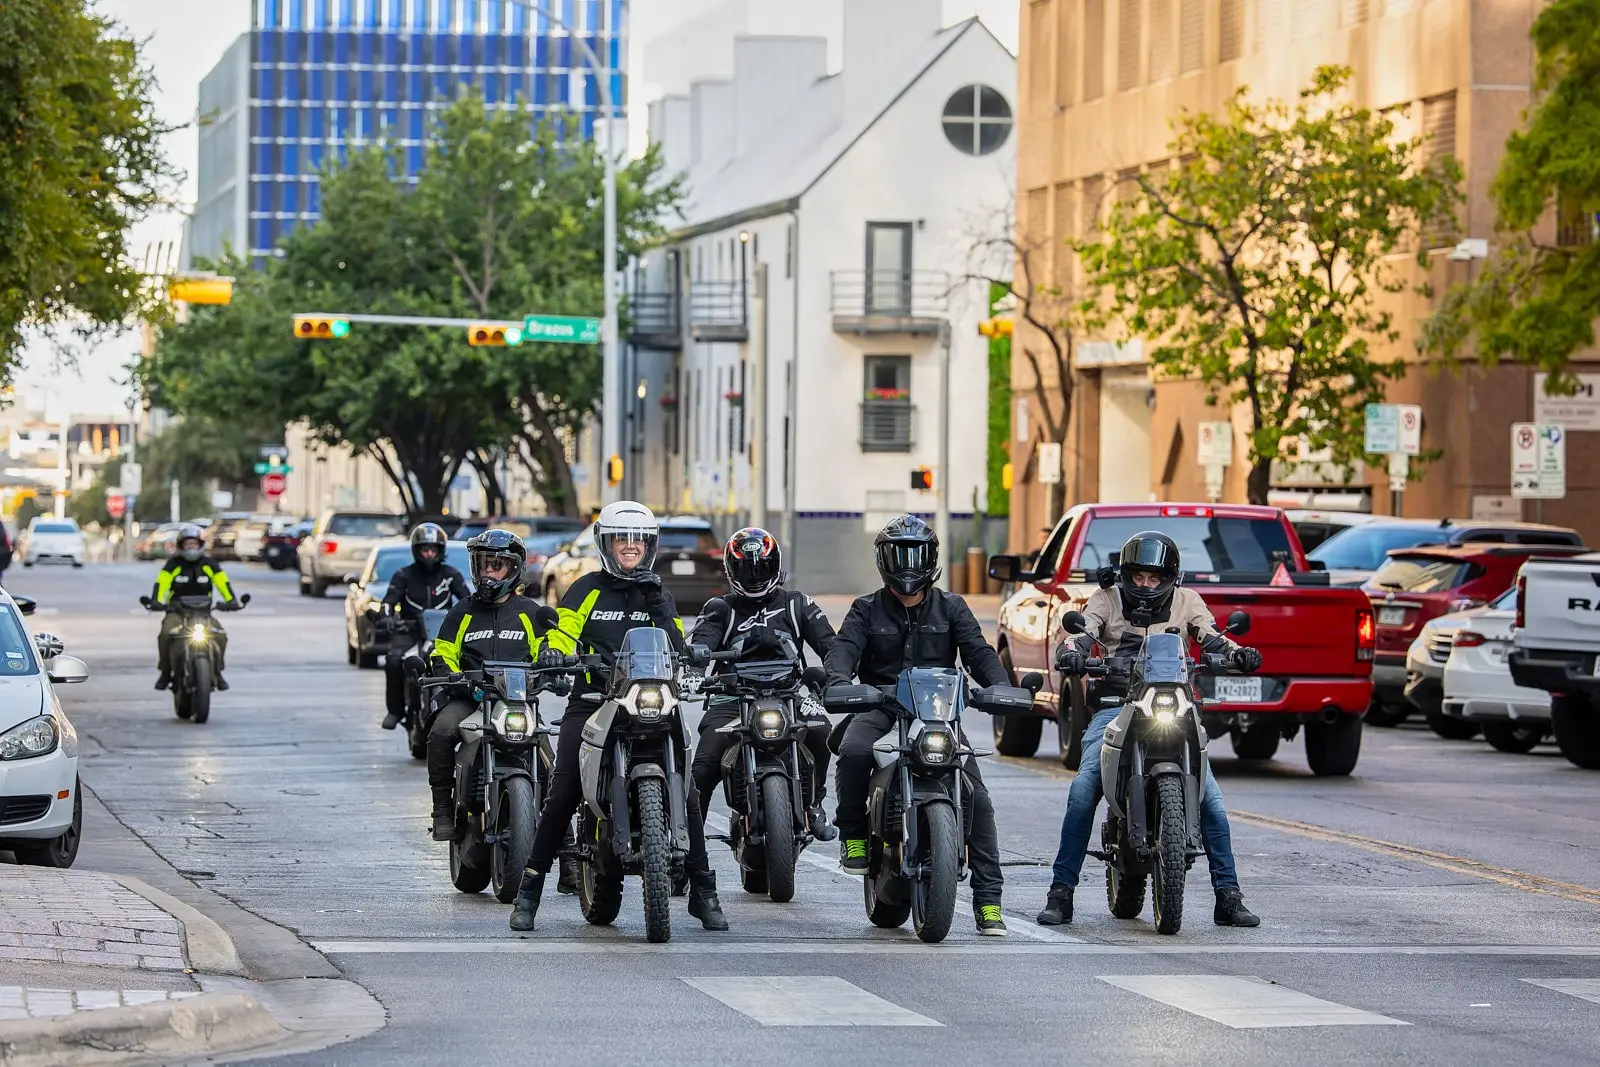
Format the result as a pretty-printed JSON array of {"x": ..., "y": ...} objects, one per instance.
[
  {"x": 1244, "y": 1003},
  {"x": 807, "y": 1000},
  {"x": 1582, "y": 988}
]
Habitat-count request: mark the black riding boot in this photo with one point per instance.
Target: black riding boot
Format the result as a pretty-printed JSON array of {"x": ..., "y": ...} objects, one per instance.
[
  {"x": 703, "y": 902},
  {"x": 1057, "y": 906},
  {"x": 444, "y": 815},
  {"x": 527, "y": 905}
]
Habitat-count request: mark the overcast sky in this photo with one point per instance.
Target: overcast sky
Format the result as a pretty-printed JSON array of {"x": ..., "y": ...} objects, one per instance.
[{"x": 184, "y": 39}]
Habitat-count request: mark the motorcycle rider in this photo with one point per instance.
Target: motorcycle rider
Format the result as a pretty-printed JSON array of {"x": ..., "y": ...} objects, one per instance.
[
  {"x": 493, "y": 624},
  {"x": 426, "y": 584},
  {"x": 910, "y": 623},
  {"x": 755, "y": 609},
  {"x": 190, "y": 572},
  {"x": 1145, "y": 595},
  {"x": 595, "y": 613}
]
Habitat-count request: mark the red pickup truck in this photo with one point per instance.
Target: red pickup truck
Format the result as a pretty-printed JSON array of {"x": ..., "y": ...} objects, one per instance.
[{"x": 1316, "y": 641}]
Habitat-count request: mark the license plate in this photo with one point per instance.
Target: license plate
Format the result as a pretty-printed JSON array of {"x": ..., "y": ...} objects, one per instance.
[
  {"x": 1391, "y": 616},
  {"x": 1239, "y": 690},
  {"x": 683, "y": 566}
]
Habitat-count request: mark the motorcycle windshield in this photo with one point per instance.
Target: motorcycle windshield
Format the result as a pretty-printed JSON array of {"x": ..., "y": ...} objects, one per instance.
[
  {"x": 431, "y": 621},
  {"x": 1164, "y": 660},
  {"x": 933, "y": 694},
  {"x": 645, "y": 656},
  {"x": 514, "y": 684}
]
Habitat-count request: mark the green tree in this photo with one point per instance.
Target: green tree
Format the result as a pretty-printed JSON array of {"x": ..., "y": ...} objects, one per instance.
[
  {"x": 1258, "y": 262},
  {"x": 79, "y": 163},
  {"x": 1535, "y": 302},
  {"x": 502, "y": 221}
]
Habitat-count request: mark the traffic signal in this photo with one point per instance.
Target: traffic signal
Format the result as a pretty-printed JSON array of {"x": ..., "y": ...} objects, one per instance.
[
  {"x": 922, "y": 479},
  {"x": 315, "y": 328},
  {"x": 489, "y": 335},
  {"x": 1006, "y": 476},
  {"x": 614, "y": 470},
  {"x": 996, "y": 327},
  {"x": 200, "y": 289}
]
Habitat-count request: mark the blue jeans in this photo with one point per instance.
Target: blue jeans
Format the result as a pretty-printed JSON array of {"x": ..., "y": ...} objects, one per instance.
[{"x": 1084, "y": 797}]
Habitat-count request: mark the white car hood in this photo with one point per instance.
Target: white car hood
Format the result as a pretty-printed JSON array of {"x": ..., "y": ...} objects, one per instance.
[{"x": 21, "y": 698}]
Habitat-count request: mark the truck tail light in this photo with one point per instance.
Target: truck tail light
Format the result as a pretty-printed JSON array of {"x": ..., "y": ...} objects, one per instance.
[
  {"x": 1202, "y": 512},
  {"x": 1467, "y": 639},
  {"x": 1522, "y": 600},
  {"x": 329, "y": 547},
  {"x": 1366, "y": 635}
]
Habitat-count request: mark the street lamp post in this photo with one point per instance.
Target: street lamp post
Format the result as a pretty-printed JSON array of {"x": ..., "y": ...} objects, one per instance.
[{"x": 610, "y": 395}]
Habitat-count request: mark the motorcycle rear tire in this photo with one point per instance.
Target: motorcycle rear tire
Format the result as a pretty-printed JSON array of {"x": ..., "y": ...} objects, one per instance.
[
  {"x": 516, "y": 819},
  {"x": 933, "y": 899},
  {"x": 1172, "y": 863},
  {"x": 469, "y": 870},
  {"x": 656, "y": 853},
  {"x": 777, "y": 808},
  {"x": 200, "y": 691}
]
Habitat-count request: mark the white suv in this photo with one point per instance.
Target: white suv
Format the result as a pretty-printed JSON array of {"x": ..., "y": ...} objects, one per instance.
[
  {"x": 339, "y": 546},
  {"x": 48, "y": 539}
]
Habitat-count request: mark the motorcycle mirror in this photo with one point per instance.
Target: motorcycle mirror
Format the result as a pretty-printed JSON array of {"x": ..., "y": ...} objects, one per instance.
[
  {"x": 26, "y": 604},
  {"x": 1238, "y": 623},
  {"x": 1033, "y": 681},
  {"x": 1074, "y": 622},
  {"x": 244, "y": 598},
  {"x": 545, "y": 620}
]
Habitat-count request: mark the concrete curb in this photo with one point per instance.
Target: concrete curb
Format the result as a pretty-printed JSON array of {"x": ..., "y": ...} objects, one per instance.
[
  {"x": 208, "y": 946},
  {"x": 210, "y": 1022}
]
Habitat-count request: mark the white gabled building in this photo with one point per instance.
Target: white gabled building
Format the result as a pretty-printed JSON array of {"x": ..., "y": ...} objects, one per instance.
[{"x": 860, "y": 194}]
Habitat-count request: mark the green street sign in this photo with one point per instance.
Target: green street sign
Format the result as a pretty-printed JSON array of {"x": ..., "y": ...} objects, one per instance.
[
  {"x": 274, "y": 468},
  {"x": 571, "y": 329}
]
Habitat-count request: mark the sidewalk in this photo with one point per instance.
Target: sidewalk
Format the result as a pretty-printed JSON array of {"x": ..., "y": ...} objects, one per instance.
[{"x": 81, "y": 917}]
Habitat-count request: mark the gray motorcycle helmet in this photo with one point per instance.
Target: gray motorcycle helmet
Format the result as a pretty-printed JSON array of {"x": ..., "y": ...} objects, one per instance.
[{"x": 190, "y": 532}]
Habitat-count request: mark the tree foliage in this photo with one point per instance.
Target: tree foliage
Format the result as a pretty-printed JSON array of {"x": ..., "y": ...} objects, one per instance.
[
  {"x": 1257, "y": 264},
  {"x": 1536, "y": 302},
  {"x": 503, "y": 221},
  {"x": 80, "y": 162}
]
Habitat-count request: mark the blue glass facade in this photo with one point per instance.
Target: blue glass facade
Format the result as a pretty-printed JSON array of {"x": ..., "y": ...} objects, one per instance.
[{"x": 327, "y": 76}]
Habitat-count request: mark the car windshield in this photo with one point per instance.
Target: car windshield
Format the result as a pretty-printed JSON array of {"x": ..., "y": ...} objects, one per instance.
[
  {"x": 545, "y": 544},
  {"x": 55, "y": 528},
  {"x": 1364, "y": 548},
  {"x": 1213, "y": 548},
  {"x": 16, "y": 648},
  {"x": 1420, "y": 574},
  {"x": 930, "y": 692},
  {"x": 392, "y": 559},
  {"x": 646, "y": 656},
  {"x": 1506, "y": 601},
  {"x": 365, "y": 526},
  {"x": 1163, "y": 660},
  {"x": 681, "y": 540}
]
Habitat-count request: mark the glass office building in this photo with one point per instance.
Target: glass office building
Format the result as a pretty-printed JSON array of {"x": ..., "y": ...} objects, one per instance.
[{"x": 316, "y": 78}]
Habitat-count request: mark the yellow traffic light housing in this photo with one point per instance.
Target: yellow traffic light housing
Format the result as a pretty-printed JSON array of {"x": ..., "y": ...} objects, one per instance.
[
  {"x": 490, "y": 335},
  {"x": 314, "y": 328},
  {"x": 1006, "y": 477},
  {"x": 614, "y": 470},
  {"x": 922, "y": 480},
  {"x": 996, "y": 327},
  {"x": 200, "y": 289}
]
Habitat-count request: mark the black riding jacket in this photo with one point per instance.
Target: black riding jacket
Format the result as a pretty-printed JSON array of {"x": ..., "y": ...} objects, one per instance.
[
  {"x": 599, "y": 609},
  {"x": 475, "y": 633},
  {"x": 725, "y": 619},
  {"x": 881, "y": 637},
  {"x": 414, "y": 590},
  {"x": 179, "y": 577}
]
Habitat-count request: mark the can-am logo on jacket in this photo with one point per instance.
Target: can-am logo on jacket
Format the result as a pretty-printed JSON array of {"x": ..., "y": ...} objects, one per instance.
[
  {"x": 618, "y": 616},
  {"x": 504, "y": 635}
]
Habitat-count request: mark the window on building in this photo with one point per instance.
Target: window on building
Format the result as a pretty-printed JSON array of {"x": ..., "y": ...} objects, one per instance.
[
  {"x": 1439, "y": 141},
  {"x": 1094, "y": 206},
  {"x": 1066, "y": 220},
  {"x": 1576, "y": 227},
  {"x": 977, "y": 119},
  {"x": 1040, "y": 42},
  {"x": 1230, "y": 30},
  {"x": 1272, "y": 24},
  {"x": 1352, "y": 12},
  {"x": 1094, "y": 49},
  {"x": 1130, "y": 29},
  {"x": 886, "y": 404},
  {"x": 1066, "y": 52},
  {"x": 888, "y": 268},
  {"x": 1191, "y": 35},
  {"x": 1163, "y": 58},
  {"x": 1313, "y": 18}
]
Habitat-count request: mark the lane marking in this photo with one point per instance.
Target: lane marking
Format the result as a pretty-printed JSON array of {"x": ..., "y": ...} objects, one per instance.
[
  {"x": 869, "y": 947},
  {"x": 807, "y": 1000},
  {"x": 1444, "y": 861},
  {"x": 1244, "y": 1003},
  {"x": 1582, "y": 988}
]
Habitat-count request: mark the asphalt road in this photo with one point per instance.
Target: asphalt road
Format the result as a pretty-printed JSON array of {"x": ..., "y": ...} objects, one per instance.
[{"x": 1439, "y": 907}]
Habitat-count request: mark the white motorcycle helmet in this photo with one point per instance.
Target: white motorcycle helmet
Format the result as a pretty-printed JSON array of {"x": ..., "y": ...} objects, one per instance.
[{"x": 627, "y": 520}]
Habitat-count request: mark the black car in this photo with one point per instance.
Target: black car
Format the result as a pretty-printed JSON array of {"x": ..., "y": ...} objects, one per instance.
[
  {"x": 690, "y": 562},
  {"x": 526, "y": 527}
]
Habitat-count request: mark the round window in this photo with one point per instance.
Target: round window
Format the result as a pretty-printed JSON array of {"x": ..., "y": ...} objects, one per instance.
[{"x": 977, "y": 119}]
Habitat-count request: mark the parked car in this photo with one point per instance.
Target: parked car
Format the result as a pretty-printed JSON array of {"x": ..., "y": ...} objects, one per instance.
[
  {"x": 250, "y": 542},
  {"x": 1315, "y": 641},
  {"x": 1315, "y": 527},
  {"x": 1555, "y": 646},
  {"x": 1419, "y": 584},
  {"x": 1478, "y": 687},
  {"x": 1351, "y": 557},
  {"x": 158, "y": 542},
  {"x": 540, "y": 547},
  {"x": 367, "y": 590},
  {"x": 524, "y": 526},
  {"x": 221, "y": 538},
  {"x": 689, "y": 561},
  {"x": 280, "y": 547},
  {"x": 41, "y": 809},
  {"x": 340, "y": 544},
  {"x": 49, "y": 540},
  {"x": 1425, "y": 666}
]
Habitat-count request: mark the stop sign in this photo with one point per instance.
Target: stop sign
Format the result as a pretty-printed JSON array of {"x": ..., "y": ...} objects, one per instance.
[
  {"x": 273, "y": 485},
  {"x": 116, "y": 505}
]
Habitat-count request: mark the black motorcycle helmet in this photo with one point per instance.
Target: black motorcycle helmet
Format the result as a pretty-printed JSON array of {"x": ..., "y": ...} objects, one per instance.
[
  {"x": 907, "y": 553},
  {"x": 753, "y": 562},
  {"x": 427, "y": 545},
  {"x": 1148, "y": 553},
  {"x": 493, "y": 545},
  {"x": 187, "y": 533}
]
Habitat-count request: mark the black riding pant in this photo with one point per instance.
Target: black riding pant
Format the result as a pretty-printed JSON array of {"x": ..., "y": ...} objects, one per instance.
[
  {"x": 711, "y": 747},
  {"x": 855, "y": 770},
  {"x": 394, "y": 684},
  {"x": 566, "y": 794},
  {"x": 443, "y": 736},
  {"x": 171, "y": 629}
]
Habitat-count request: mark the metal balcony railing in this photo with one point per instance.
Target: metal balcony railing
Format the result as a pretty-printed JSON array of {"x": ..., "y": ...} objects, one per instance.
[
  {"x": 888, "y": 426},
  {"x": 717, "y": 311},
  {"x": 888, "y": 301},
  {"x": 655, "y": 320}
]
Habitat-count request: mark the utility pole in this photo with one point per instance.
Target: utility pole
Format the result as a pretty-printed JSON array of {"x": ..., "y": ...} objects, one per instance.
[
  {"x": 757, "y": 403},
  {"x": 941, "y": 485}
]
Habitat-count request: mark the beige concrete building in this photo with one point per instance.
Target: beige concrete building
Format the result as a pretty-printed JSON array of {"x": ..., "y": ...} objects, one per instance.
[{"x": 1100, "y": 82}]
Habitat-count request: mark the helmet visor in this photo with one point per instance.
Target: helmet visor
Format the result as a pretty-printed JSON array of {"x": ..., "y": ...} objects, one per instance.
[
  {"x": 626, "y": 553},
  {"x": 907, "y": 558},
  {"x": 1149, "y": 554}
]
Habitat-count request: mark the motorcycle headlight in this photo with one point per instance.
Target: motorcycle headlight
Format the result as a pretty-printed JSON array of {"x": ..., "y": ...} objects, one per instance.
[
  {"x": 648, "y": 702},
  {"x": 1164, "y": 706},
  {"x": 198, "y": 633},
  {"x": 36, "y": 737},
  {"x": 770, "y": 724},
  {"x": 936, "y": 746},
  {"x": 516, "y": 725}
]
